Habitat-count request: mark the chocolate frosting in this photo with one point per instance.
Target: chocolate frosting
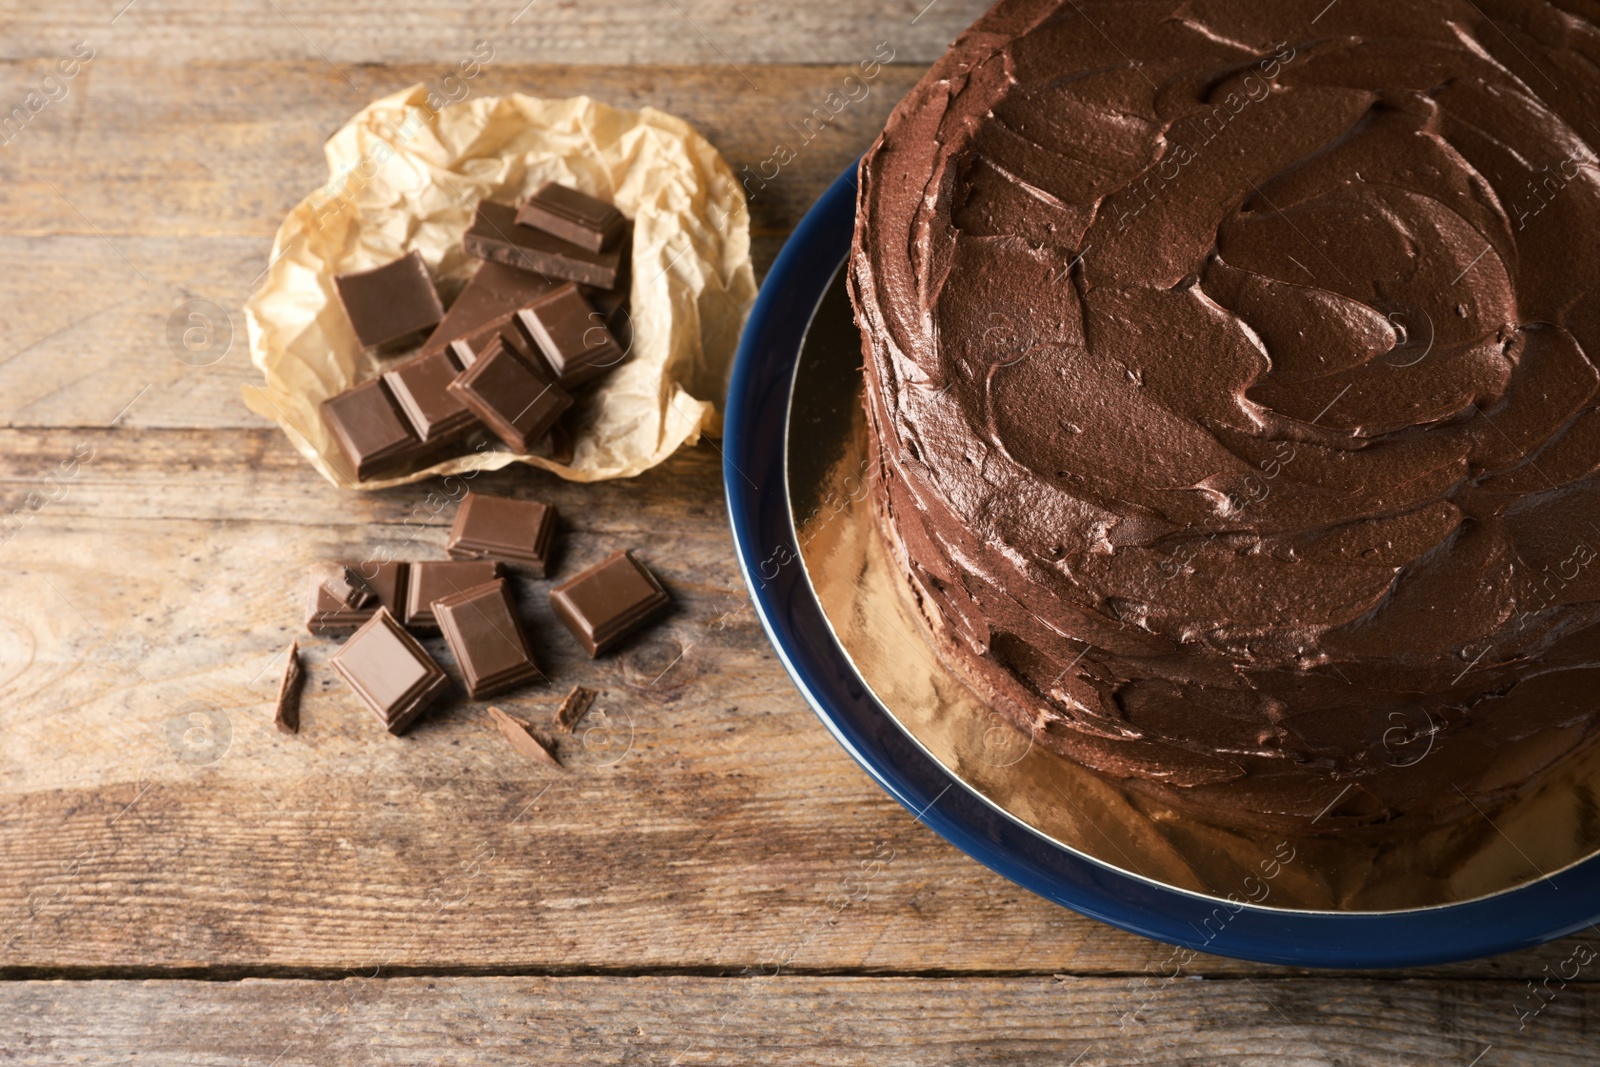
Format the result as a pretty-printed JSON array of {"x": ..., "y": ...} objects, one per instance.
[{"x": 1230, "y": 377}]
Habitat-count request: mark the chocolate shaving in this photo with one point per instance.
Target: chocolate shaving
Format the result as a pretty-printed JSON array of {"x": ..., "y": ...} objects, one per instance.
[
  {"x": 574, "y": 707},
  {"x": 287, "y": 716},
  {"x": 521, "y": 735}
]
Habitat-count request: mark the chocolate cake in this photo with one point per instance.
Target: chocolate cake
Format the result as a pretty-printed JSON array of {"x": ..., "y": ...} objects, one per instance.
[{"x": 1231, "y": 387}]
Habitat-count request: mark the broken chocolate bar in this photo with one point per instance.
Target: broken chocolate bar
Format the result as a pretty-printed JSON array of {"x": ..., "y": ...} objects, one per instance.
[
  {"x": 421, "y": 388},
  {"x": 521, "y": 736},
  {"x": 326, "y": 612},
  {"x": 347, "y": 587},
  {"x": 369, "y": 429},
  {"x": 435, "y": 579},
  {"x": 608, "y": 601},
  {"x": 482, "y": 629},
  {"x": 391, "y": 305},
  {"x": 488, "y": 300},
  {"x": 512, "y": 398},
  {"x": 575, "y": 217},
  {"x": 495, "y": 235},
  {"x": 392, "y": 674},
  {"x": 498, "y": 527},
  {"x": 571, "y": 335}
]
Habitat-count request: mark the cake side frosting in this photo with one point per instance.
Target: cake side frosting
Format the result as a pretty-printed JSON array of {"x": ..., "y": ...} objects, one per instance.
[{"x": 1230, "y": 379}]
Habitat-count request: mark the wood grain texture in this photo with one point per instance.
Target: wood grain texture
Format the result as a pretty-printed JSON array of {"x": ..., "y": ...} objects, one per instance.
[
  {"x": 150, "y": 185},
  {"x": 882, "y": 1022},
  {"x": 711, "y": 879},
  {"x": 713, "y": 33}
]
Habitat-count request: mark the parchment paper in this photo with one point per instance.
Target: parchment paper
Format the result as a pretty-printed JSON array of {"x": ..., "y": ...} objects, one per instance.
[{"x": 403, "y": 176}]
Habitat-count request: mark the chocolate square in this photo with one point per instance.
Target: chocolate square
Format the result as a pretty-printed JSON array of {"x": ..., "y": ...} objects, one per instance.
[
  {"x": 608, "y": 601},
  {"x": 571, "y": 335},
  {"x": 420, "y": 387},
  {"x": 391, "y": 673},
  {"x": 497, "y": 527},
  {"x": 483, "y": 631},
  {"x": 392, "y": 305},
  {"x": 573, "y": 216},
  {"x": 432, "y": 580},
  {"x": 369, "y": 428},
  {"x": 512, "y": 398}
]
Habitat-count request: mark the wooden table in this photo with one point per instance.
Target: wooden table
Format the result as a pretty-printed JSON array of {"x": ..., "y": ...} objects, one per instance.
[{"x": 179, "y": 883}]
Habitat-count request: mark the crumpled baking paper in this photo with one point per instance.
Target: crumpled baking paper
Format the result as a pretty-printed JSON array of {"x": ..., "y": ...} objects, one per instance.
[{"x": 405, "y": 176}]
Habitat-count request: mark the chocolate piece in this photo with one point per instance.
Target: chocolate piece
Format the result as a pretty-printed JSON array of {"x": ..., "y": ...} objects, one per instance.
[
  {"x": 483, "y": 631},
  {"x": 610, "y": 600},
  {"x": 347, "y": 587},
  {"x": 499, "y": 527},
  {"x": 391, "y": 305},
  {"x": 369, "y": 429},
  {"x": 327, "y": 612},
  {"x": 571, "y": 335},
  {"x": 574, "y": 707},
  {"x": 522, "y": 737},
  {"x": 287, "y": 715},
  {"x": 391, "y": 673},
  {"x": 436, "y": 579},
  {"x": 495, "y": 235},
  {"x": 421, "y": 388},
  {"x": 512, "y": 398},
  {"x": 487, "y": 301},
  {"x": 574, "y": 217}
]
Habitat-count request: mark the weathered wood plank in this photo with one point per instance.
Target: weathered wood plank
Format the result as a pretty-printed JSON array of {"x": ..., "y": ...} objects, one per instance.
[
  {"x": 151, "y": 185},
  {"x": 714, "y": 827},
  {"x": 812, "y": 1021},
  {"x": 709, "y": 32}
]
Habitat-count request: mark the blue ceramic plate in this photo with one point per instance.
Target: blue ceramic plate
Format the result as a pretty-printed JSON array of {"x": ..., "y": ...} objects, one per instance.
[{"x": 758, "y": 505}]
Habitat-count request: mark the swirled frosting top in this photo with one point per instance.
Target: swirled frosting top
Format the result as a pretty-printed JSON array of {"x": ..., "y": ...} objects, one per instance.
[{"x": 1244, "y": 349}]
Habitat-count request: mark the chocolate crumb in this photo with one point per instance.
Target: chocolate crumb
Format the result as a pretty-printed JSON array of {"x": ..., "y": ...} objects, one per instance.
[
  {"x": 574, "y": 707},
  {"x": 287, "y": 717},
  {"x": 522, "y": 737}
]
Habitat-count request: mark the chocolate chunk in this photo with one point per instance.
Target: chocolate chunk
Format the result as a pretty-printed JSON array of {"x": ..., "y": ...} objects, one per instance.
[
  {"x": 499, "y": 527},
  {"x": 574, "y": 707},
  {"x": 573, "y": 216},
  {"x": 436, "y": 579},
  {"x": 495, "y": 235},
  {"x": 347, "y": 587},
  {"x": 369, "y": 429},
  {"x": 488, "y": 300},
  {"x": 512, "y": 398},
  {"x": 391, "y": 673},
  {"x": 483, "y": 631},
  {"x": 421, "y": 387},
  {"x": 287, "y": 716},
  {"x": 326, "y": 612},
  {"x": 522, "y": 737},
  {"x": 571, "y": 335},
  {"x": 391, "y": 305},
  {"x": 610, "y": 600}
]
